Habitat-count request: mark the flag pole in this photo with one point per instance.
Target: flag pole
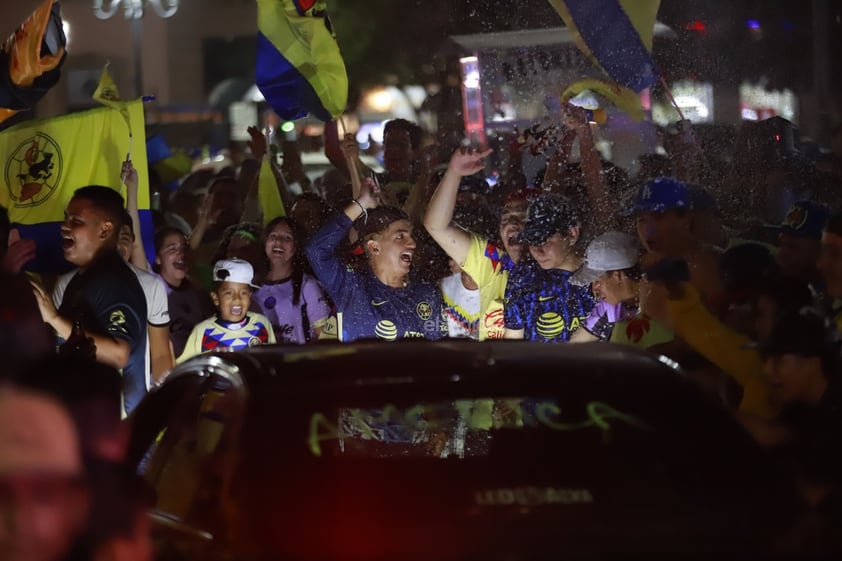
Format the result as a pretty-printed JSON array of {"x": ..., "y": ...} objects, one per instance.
[
  {"x": 356, "y": 185},
  {"x": 672, "y": 99}
]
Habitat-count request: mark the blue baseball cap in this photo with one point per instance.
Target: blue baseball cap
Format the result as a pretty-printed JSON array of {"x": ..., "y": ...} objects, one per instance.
[
  {"x": 804, "y": 219},
  {"x": 662, "y": 194}
]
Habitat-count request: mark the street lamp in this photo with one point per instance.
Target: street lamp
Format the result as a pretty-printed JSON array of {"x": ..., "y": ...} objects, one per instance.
[{"x": 133, "y": 11}]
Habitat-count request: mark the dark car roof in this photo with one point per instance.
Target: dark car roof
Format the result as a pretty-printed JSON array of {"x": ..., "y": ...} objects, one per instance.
[{"x": 660, "y": 469}]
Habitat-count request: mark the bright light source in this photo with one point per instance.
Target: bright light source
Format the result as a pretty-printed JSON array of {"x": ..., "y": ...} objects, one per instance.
[
  {"x": 669, "y": 362},
  {"x": 380, "y": 100},
  {"x": 695, "y": 25},
  {"x": 471, "y": 80},
  {"x": 695, "y": 107},
  {"x": 288, "y": 126},
  {"x": 749, "y": 114},
  {"x": 467, "y": 59},
  {"x": 753, "y": 24},
  {"x": 373, "y": 130},
  {"x": 66, "y": 28}
]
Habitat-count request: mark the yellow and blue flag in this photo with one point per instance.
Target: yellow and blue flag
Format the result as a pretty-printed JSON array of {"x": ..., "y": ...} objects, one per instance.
[
  {"x": 299, "y": 67},
  {"x": 268, "y": 194},
  {"x": 30, "y": 60},
  {"x": 616, "y": 35},
  {"x": 44, "y": 162},
  {"x": 170, "y": 165},
  {"x": 107, "y": 94}
]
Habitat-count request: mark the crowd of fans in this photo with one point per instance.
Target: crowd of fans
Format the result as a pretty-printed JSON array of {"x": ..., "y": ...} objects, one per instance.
[{"x": 733, "y": 271}]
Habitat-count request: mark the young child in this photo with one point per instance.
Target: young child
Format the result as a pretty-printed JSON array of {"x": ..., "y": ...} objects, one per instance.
[{"x": 233, "y": 327}]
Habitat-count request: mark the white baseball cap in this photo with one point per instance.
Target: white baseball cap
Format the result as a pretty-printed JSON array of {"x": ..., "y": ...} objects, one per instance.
[
  {"x": 234, "y": 270},
  {"x": 612, "y": 251}
]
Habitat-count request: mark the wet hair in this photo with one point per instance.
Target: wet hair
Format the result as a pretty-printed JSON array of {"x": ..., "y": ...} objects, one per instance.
[
  {"x": 416, "y": 133},
  {"x": 298, "y": 259},
  {"x": 106, "y": 200},
  {"x": 377, "y": 221}
]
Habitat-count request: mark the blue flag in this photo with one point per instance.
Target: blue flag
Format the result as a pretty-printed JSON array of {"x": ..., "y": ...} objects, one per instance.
[
  {"x": 299, "y": 67},
  {"x": 616, "y": 35}
]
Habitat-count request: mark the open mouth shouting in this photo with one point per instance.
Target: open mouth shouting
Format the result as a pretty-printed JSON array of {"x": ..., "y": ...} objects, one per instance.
[
  {"x": 67, "y": 242},
  {"x": 406, "y": 257},
  {"x": 236, "y": 313}
]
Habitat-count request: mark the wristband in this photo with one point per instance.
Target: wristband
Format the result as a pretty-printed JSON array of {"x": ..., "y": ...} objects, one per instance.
[{"x": 362, "y": 208}]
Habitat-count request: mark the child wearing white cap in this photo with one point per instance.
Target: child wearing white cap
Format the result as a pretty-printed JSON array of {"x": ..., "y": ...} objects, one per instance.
[{"x": 233, "y": 327}]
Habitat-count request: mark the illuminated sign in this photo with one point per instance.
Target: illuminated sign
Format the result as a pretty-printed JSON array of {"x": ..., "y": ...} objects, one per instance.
[{"x": 472, "y": 101}]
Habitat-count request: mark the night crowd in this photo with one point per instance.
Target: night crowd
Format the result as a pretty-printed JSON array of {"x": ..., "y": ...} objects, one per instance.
[{"x": 730, "y": 267}]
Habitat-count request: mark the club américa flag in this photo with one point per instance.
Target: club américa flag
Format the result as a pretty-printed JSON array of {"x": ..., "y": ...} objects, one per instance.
[
  {"x": 299, "y": 67},
  {"x": 44, "y": 161},
  {"x": 616, "y": 35}
]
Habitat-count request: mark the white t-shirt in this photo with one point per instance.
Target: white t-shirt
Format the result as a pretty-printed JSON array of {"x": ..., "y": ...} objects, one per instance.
[
  {"x": 155, "y": 292},
  {"x": 461, "y": 307}
]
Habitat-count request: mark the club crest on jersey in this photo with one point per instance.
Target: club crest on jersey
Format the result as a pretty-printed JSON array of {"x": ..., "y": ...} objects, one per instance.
[{"x": 424, "y": 310}]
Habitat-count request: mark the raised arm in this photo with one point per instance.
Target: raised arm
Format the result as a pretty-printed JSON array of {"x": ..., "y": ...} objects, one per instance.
[
  {"x": 557, "y": 166},
  {"x": 439, "y": 216},
  {"x": 328, "y": 267},
  {"x": 138, "y": 256},
  {"x": 603, "y": 209},
  {"x": 419, "y": 197},
  {"x": 207, "y": 217},
  {"x": 351, "y": 152}
]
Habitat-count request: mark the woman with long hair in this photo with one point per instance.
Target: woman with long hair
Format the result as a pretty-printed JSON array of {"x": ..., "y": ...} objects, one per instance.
[
  {"x": 188, "y": 304},
  {"x": 294, "y": 301}
]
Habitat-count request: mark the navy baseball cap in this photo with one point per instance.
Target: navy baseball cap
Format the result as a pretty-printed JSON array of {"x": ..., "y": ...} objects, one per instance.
[
  {"x": 662, "y": 194},
  {"x": 548, "y": 214},
  {"x": 804, "y": 219}
]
